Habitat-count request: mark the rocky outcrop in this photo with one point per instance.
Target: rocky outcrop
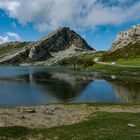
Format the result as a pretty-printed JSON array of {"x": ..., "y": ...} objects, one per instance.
[
  {"x": 130, "y": 36},
  {"x": 126, "y": 45},
  {"x": 62, "y": 40}
]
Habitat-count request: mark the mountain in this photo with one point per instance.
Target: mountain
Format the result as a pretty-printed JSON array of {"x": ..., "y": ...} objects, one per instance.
[
  {"x": 59, "y": 44},
  {"x": 126, "y": 45}
]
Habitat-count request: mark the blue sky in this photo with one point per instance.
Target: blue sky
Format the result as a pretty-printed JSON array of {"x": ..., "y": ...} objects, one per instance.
[{"x": 98, "y": 21}]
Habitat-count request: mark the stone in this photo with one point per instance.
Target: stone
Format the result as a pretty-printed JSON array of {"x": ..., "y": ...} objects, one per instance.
[
  {"x": 30, "y": 111},
  {"x": 131, "y": 125},
  {"x": 50, "y": 112}
]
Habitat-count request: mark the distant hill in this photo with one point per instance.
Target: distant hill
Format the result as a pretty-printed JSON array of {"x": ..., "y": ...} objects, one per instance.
[
  {"x": 62, "y": 43},
  {"x": 126, "y": 45}
]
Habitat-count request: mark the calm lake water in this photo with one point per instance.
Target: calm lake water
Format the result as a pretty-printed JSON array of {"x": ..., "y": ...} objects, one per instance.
[{"x": 40, "y": 85}]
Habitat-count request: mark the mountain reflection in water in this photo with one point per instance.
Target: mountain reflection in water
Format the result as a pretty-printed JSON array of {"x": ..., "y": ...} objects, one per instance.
[
  {"x": 35, "y": 86},
  {"x": 129, "y": 92},
  {"x": 64, "y": 86}
]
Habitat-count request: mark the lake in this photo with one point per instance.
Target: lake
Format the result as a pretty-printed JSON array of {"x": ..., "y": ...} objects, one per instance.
[{"x": 44, "y": 85}]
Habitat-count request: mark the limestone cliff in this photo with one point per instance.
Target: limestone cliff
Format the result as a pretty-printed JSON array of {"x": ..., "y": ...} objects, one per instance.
[
  {"x": 130, "y": 36},
  {"x": 126, "y": 45}
]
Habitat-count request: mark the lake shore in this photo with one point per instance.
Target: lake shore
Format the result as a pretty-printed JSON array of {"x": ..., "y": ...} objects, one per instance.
[
  {"x": 114, "y": 69},
  {"x": 56, "y": 114},
  {"x": 69, "y": 121}
]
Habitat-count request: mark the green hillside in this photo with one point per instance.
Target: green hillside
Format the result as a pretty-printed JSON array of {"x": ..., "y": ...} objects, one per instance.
[
  {"x": 130, "y": 51},
  {"x": 129, "y": 61},
  {"x": 78, "y": 61},
  {"x": 10, "y": 48},
  {"x": 82, "y": 61}
]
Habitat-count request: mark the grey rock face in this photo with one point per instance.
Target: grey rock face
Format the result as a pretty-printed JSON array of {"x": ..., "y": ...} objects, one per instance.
[
  {"x": 124, "y": 38},
  {"x": 56, "y": 42}
]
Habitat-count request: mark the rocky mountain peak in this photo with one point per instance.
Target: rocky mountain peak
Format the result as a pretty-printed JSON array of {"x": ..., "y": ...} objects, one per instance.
[
  {"x": 59, "y": 40},
  {"x": 129, "y": 36},
  {"x": 57, "y": 31}
]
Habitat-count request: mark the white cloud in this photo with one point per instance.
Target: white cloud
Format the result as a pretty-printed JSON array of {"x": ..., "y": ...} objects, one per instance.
[
  {"x": 13, "y": 35},
  {"x": 4, "y": 39},
  {"x": 50, "y": 14},
  {"x": 9, "y": 36}
]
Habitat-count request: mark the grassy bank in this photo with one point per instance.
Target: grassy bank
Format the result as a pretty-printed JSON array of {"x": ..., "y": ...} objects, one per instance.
[
  {"x": 131, "y": 62},
  {"x": 113, "y": 68}
]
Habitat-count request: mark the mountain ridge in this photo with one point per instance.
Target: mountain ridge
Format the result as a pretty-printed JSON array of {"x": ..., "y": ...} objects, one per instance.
[{"x": 62, "y": 39}]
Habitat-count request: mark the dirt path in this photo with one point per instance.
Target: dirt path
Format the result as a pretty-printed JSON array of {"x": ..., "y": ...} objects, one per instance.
[{"x": 54, "y": 115}]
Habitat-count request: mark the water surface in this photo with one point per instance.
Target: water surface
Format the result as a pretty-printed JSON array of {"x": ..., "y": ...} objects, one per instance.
[{"x": 41, "y": 85}]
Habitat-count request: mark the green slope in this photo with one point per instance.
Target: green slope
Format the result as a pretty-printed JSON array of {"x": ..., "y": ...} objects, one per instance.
[
  {"x": 10, "y": 48},
  {"x": 82, "y": 61},
  {"x": 130, "y": 51}
]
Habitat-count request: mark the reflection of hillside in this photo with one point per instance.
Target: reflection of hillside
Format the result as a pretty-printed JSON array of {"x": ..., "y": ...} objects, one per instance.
[
  {"x": 64, "y": 86},
  {"x": 128, "y": 92}
]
